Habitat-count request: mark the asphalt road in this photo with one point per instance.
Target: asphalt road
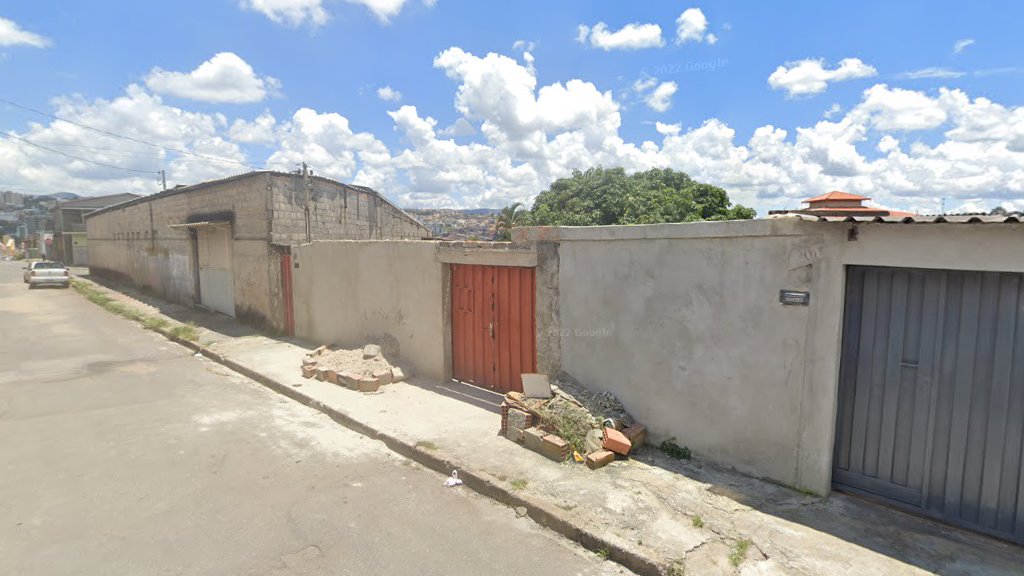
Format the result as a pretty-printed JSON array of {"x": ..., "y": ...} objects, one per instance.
[{"x": 122, "y": 453}]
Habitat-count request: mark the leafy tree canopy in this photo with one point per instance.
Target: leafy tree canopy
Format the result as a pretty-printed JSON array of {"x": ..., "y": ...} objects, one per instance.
[{"x": 602, "y": 196}]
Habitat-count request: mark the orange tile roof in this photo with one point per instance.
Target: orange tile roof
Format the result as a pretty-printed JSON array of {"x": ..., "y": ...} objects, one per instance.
[
  {"x": 844, "y": 209},
  {"x": 837, "y": 195}
]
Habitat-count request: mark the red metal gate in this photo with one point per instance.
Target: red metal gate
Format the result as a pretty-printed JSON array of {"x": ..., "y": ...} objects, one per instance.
[{"x": 493, "y": 336}]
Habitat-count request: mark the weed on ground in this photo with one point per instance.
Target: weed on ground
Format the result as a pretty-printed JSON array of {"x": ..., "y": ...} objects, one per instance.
[
  {"x": 674, "y": 450},
  {"x": 739, "y": 552},
  {"x": 187, "y": 331}
]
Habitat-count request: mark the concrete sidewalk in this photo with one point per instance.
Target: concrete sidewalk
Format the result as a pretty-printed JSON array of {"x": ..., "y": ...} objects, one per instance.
[{"x": 651, "y": 513}]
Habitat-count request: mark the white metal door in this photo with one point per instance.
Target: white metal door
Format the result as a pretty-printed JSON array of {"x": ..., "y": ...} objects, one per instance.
[{"x": 216, "y": 285}]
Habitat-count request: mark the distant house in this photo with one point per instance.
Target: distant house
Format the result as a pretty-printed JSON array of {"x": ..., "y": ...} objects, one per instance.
[
  {"x": 838, "y": 203},
  {"x": 70, "y": 244}
]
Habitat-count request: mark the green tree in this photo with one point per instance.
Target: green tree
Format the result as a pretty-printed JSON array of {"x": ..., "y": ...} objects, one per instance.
[
  {"x": 509, "y": 218},
  {"x": 602, "y": 196}
]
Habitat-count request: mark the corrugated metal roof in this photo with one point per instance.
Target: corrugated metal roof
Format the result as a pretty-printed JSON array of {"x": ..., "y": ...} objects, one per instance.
[
  {"x": 914, "y": 219},
  {"x": 200, "y": 224}
]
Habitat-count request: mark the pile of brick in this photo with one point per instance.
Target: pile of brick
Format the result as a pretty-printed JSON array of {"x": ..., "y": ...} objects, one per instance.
[
  {"x": 365, "y": 369},
  {"x": 523, "y": 422}
]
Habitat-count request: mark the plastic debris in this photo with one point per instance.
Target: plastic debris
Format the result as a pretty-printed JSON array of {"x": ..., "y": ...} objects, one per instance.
[
  {"x": 576, "y": 456},
  {"x": 453, "y": 480}
]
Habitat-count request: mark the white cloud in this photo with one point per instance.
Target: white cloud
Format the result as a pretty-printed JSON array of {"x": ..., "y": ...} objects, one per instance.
[
  {"x": 692, "y": 26},
  {"x": 668, "y": 129},
  {"x": 657, "y": 96},
  {"x": 887, "y": 108},
  {"x": 137, "y": 114},
  {"x": 633, "y": 36},
  {"x": 385, "y": 10},
  {"x": 959, "y": 45},
  {"x": 388, "y": 94},
  {"x": 524, "y": 45},
  {"x": 644, "y": 84},
  {"x": 834, "y": 109},
  {"x": 660, "y": 99},
  {"x": 262, "y": 130},
  {"x": 290, "y": 12},
  {"x": 810, "y": 76},
  {"x": 298, "y": 12},
  {"x": 516, "y": 136},
  {"x": 326, "y": 142},
  {"x": 13, "y": 35},
  {"x": 931, "y": 72},
  {"x": 223, "y": 78}
]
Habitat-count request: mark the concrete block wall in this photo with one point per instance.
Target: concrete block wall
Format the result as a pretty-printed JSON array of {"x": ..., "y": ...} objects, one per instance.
[
  {"x": 337, "y": 212},
  {"x": 135, "y": 243}
]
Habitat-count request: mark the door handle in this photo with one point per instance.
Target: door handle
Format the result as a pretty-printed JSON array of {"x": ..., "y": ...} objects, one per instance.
[{"x": 490, "y": 328}]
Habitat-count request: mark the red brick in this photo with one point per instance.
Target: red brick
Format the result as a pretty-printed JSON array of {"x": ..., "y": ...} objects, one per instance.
[
  {"x": 600, "y": 458},
  {"x": 349, "y": 380},
  {"x": 321, "y": 374},
  {"x": 308, "y": 371},
  {"x": 367, "y": 384},
  {"x": 331, "y": 376},
  {"x": 637, "y": 434},
  {"x": 616, "y": 442},
  {"x": 555, "y": 448},
  {"x": 383, "y": 376}
]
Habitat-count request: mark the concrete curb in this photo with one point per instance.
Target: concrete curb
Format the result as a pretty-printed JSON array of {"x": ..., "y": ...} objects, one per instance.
[{"x": 540, "y": 510}]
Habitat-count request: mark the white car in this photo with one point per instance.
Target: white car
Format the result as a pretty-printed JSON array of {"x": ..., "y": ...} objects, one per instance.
[{"x": 47, "y": 273}]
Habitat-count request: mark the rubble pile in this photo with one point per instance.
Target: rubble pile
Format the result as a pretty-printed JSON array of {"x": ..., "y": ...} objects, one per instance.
[
  {"x": 591, "y": 427},
  {"x": 363, "y": 369}
]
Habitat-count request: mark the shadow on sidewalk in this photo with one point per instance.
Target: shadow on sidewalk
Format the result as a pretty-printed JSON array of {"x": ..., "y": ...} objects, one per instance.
[
  {"x": 916, "y": 540},
  {"x": 920, "y": 542},
  {"x": 467, "y": 393}
]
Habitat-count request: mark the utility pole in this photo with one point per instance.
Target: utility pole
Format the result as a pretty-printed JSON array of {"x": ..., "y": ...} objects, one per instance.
[
  {"x": 305, "y": 185},
  {"x": 163, "y": 179}
]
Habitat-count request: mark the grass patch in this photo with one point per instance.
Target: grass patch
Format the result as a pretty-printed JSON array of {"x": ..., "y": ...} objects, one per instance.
[
  {"x": 604, "y": 553},
  {"x": 519, "y": 483},
  {"x": 154, "y": 323},
  {"x": 187, "y": 331},
  {"x": 570, "y": 422},
  {"x": 739, "y": 552},
  {"x": 426, "y": 445},
  {"x": 698, "y": 522},
  {"x": 674, "y": 450},
  {"x": 677, "y": 568}
]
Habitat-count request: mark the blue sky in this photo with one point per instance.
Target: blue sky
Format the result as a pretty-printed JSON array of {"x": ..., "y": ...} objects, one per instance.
[{"x": 458, "y": 103}]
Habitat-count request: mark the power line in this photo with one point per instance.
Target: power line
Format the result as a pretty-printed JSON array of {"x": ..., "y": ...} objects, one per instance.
[
  {"x": 129, "y": 138},
  {"x": 73, "y": 157},
  {"x": 114, "y": 151}
]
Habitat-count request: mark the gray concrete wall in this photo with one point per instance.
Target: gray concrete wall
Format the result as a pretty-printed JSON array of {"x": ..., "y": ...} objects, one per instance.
[
  {"x": 354, "y": 292},
  {"x": 337, "y": 212},
  {"x": 683, "y": 323}
]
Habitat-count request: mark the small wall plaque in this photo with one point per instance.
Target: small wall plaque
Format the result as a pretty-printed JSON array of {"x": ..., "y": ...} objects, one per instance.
[{"x": 794, "y": 297}]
